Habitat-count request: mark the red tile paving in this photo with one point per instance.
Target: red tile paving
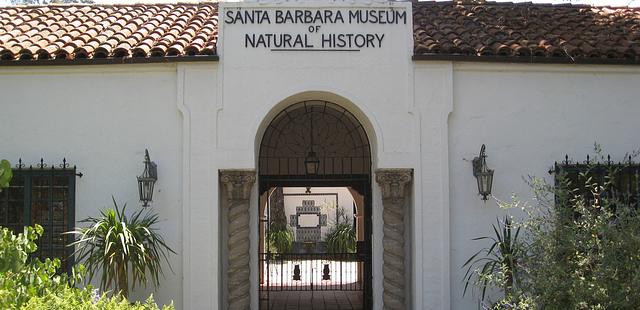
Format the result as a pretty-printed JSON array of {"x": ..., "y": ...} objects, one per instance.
[{"x": 310, "y": 300}]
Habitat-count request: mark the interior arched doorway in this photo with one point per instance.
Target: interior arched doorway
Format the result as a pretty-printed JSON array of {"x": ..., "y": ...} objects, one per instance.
[{"x": 314, "y": 176}]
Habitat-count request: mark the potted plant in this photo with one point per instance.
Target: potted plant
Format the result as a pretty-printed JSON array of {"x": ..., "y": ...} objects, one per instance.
[
  {"x": 342, "y": 237},
  {"x": 280, "y": 240},
  {"x": 117, "y": 246}
]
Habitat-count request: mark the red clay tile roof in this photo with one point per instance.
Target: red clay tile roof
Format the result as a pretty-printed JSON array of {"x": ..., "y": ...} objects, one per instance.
[
  {"x": 512, "y": 31},
  {"x": 525, "y": 30},
  {"x": 102, "y": 31}
]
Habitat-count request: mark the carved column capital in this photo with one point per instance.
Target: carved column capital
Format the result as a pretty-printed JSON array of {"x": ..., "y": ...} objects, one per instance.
[
  {"x": 393, "y": 183},
  {"x": 238, "y": 183}
]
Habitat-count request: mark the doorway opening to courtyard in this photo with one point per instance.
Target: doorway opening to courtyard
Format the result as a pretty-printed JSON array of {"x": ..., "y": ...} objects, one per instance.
[{"x": 315, "y": 233}]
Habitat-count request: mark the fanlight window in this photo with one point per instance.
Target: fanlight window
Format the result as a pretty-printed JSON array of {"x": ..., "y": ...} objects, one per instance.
[{"x": 320, "y": 128}]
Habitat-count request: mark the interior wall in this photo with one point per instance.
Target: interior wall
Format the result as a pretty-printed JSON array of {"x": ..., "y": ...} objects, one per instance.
[{"x": 345, "y": 201}]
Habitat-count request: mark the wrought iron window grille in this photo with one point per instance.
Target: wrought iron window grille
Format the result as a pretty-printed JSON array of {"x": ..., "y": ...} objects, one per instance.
[
  {"x": 43, "y": 194},
  {"x": 620, "y": 181}
]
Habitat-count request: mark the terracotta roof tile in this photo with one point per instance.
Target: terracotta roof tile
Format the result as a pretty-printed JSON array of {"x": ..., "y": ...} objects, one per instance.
[
  {"x": 102, "y": 31},
  {"x": 460, "y": 28},
  {"x": 478, "y": 28}
]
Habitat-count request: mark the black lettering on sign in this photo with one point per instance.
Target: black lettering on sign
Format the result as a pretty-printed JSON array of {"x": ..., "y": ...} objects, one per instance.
[
  {"x": 312, "y": 32},
  {"x": 308, "y": 17},
  {"x": 351, "y": 40},
  {"x": 377, "y": 17},
  {"x": 247, "y": 17},
  {"x": 277, "y": 40}
]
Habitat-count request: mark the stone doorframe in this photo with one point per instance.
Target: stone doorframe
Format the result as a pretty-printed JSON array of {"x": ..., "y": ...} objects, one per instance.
[
  {"x": 394, "y": 185},
  {"x": 237, "y": 184}
]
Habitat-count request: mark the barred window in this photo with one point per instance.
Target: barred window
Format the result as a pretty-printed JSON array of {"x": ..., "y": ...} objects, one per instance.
[
  {"x": 45, "y": 196},
  {"x": 620, "y": 181}
]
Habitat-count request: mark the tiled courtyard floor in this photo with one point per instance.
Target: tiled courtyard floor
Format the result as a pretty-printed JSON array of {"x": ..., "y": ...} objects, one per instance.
[{"x": 314, "y": 300}]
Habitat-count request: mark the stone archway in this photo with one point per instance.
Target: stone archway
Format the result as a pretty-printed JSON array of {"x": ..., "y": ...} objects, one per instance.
[
  {"x": 342, "y": 145},
  {"x": 338, "y": 142}
]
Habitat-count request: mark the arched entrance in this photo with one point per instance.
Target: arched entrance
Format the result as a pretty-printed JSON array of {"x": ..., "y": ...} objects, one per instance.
[{"x": 314, "y": 176}]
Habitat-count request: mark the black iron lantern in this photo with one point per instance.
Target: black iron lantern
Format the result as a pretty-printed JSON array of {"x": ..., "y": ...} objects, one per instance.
[
  {"x": 311, "y": 161},
  {"x": 483, "y": 174},
  {"x": 147, "y": 180}
]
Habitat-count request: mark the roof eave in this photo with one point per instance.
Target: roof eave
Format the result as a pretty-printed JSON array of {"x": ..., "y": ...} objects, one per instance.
[
  {"x": 109, "y": 61},
  {"x": 527, "y": 59}
]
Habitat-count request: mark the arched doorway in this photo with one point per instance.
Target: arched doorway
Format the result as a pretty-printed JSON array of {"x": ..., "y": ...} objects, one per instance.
[{"x": 314, "y": 176}]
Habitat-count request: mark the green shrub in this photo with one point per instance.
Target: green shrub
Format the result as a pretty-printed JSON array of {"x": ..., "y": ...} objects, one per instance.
[
  {"x": 29, "y": 283},
  {"x": 341, "y": 239},
  {"x": 5, "y": 174},
  {"x": 585, "y": 252},
  {"x": 280, "y": 241},
  {"x": 23, "y": 277},
  {"x": 74, "y": 299},
  {"x": 580, "y": 248}
]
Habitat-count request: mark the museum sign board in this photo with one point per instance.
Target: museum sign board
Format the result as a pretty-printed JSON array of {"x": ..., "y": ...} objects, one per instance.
[{"x": 339, "y": 29}]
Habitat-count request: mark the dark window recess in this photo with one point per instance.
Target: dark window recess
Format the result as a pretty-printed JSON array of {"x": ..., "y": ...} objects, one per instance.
[
  {"x": 620, "y": 181},
  {"x": 42, "y": 195}
]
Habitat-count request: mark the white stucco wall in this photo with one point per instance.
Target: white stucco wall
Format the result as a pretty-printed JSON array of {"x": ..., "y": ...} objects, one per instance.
[
  {"x": 101, "y": 118},
  {"x": 528, "y": 116},
  {"x": 432, "y": 116}
]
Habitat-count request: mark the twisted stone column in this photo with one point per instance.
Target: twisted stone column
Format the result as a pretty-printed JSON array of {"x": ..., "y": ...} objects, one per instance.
[
  {"x": 237, "y": 186},
  {"x": 393, "y": 184}
]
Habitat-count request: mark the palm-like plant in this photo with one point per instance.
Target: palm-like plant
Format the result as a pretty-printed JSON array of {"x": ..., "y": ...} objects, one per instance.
[
  {"x": 342, "y": 237},
  {"x": 500, "y": 259},
  {"x": 280, "y": 241},
  {"x": 117, "y": 245}
]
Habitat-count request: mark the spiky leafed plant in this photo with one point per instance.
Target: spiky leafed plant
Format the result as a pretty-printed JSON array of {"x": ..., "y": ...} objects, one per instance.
[
  {"x": 498, "y": 262},
  {"x": 342, "y": 237},
  {"x": 280, "y": 241},
  {"x": 115, "y": 246}
]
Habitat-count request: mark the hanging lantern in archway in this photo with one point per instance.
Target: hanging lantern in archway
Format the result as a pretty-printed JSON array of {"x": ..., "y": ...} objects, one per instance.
[{"x": 311, "y": 163}]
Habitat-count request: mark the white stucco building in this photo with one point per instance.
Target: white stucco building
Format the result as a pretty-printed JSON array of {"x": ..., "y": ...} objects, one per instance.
[{"x": 422, "y": 85}]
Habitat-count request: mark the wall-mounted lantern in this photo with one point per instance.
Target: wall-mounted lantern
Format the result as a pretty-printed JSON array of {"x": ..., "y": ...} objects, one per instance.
[
  {"x": 483, "y": 174},
  {"x": 147, "y": 180}
]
